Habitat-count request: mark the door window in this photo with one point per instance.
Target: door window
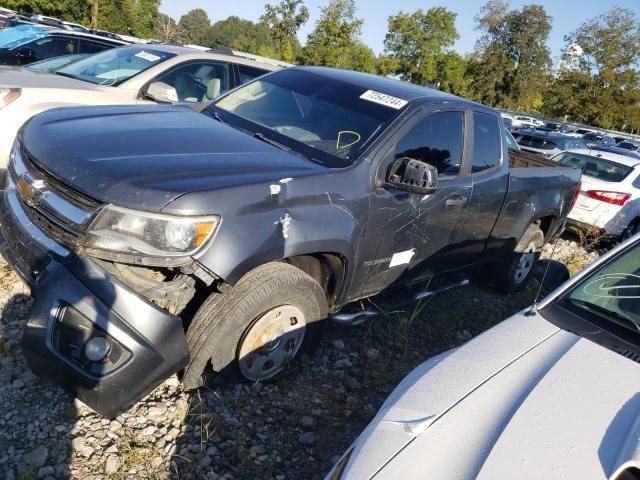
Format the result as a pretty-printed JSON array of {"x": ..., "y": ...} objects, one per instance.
[
  {"x": 487, "y": 148},
  {"x": 437, "y": 140},
  {"x": 198, "y": 82},
  {"x": 50, "y": 47}
]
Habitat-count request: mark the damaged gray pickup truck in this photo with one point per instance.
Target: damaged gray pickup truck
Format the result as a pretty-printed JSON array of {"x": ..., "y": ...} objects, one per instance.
[{"x": 161, "y": 239}]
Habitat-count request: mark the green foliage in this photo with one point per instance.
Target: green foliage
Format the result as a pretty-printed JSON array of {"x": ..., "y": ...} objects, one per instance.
[
  {"x": 418, "y": 42},
  {"x": 69, "y": 10},
  {"x": 241, "y": 34},
  {"x": 598, "y": 82},
  {"x": 117, "y": 16},
  {"x": 511, "y": 61},
  {"x": 195, "y": 26},
  {"x": 335, "y": 42},
  {"x": 128, "y": 17},
  {"x": 283, "y": 22}
]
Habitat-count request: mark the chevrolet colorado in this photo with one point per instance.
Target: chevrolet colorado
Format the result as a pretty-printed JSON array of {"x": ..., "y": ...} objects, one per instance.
[{"x": 162, "y": 239}]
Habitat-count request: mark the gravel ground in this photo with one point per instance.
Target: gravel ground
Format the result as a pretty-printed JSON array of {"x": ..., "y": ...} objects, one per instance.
[{"x": 293, "y": 429}]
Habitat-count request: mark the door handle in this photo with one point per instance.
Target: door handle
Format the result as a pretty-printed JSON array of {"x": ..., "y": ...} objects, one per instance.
[{"x": 456, "y": 201}]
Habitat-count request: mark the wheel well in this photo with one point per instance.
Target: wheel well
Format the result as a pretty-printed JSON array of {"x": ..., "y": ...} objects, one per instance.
[
  {"x": 328, "y": 269},
  {"x": 545, "y": 224}
]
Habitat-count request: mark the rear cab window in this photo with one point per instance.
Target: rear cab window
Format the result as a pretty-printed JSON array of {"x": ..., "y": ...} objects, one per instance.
[{"x": 487, "y": 148}]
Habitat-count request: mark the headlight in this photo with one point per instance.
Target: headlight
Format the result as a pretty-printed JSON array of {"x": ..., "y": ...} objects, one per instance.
[
  {"x": 118, "y": 229},
  {"x": 8, "y": 95}
]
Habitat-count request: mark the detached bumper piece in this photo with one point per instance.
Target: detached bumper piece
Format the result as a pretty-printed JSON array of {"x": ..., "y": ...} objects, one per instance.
[{"x": 87, "y": 331}]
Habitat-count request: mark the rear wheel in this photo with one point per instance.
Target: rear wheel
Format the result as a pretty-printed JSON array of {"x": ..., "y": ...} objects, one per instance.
[
  {"x": 257, "y": 329},
  {"x": 514, "y": 274}
]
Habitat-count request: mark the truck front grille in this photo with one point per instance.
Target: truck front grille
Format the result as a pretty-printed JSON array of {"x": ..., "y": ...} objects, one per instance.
[{"x": 61, "y": 212}]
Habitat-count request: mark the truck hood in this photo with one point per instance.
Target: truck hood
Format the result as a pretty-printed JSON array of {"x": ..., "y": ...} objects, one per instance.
[
  {"x": 146, "y": 156},
  {"x": 24, "y": 78},
  {"x": 523, "y": 400}
]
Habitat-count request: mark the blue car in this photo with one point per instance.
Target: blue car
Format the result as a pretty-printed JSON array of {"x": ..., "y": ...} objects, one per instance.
[{"x": 26, "y": 44}]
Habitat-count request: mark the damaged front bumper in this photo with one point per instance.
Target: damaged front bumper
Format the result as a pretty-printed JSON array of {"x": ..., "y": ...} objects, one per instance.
[{"x": 87, "y": 331}]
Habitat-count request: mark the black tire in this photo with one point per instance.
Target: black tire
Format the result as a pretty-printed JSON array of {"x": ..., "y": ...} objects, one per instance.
[
  {"x": 221, "y": 325},
  {"x": 631, "y": 230},
  {"x": 512, "y": 276}
]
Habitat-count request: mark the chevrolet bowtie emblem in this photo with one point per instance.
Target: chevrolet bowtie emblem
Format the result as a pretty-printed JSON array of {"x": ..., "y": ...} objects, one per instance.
[{"x": 30, "y": 191}]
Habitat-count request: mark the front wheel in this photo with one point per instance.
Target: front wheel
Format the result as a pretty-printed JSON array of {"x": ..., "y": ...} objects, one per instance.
[
  {"x": 513, "y": 275},
  {"x": 257, "y": 329}
]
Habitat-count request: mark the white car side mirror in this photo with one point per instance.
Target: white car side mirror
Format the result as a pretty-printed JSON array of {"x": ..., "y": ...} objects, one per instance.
[{"x": 161, "y": 92}]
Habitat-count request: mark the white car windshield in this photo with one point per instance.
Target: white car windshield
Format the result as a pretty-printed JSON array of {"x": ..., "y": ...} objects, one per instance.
[
  {"x": 115, "y": 66},
  {"x": 613, "y": 293}
]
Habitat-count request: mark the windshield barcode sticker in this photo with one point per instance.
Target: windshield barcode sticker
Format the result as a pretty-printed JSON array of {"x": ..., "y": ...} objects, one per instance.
[
  {"x": 383, "y": 99},
  {"x": 149, "y": 57}
]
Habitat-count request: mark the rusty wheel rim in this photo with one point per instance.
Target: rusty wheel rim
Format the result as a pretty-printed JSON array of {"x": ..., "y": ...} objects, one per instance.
[{"x": 271, "y": 342}]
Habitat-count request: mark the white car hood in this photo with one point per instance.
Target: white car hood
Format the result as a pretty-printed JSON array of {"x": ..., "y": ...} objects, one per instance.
[
  {"x": 519, "y": 401},
  {"x": 25, "y": 78}
]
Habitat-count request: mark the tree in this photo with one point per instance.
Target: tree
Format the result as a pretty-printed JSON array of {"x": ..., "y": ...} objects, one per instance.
[
  {"x": 418, "y": 44},
  {"x": 283, "y": 21},
  {"x": 598, "y": 82},
  {"x": 118, "y": 16},
  {"x": 146, "y": 17},
  {"x": 335, "y": 36},
  {"x": 511, "y": 61},
  {"x": 70, "y": 10},
  {"x": 167, "y": 30},
  {"x": 196, "y": 25},
  {"x": 240, "y": 34}
]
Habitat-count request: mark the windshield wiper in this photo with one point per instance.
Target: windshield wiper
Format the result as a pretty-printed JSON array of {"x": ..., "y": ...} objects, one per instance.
[
  {"x": 606, "y": 312},
  {"x": 68, "y": 75},
  {"x": 217, "y": 116},
  {"x": 260, "y": 136}
]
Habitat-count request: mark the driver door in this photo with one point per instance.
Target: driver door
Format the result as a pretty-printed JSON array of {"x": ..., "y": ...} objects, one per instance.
[{"x": 418, "y": 234}]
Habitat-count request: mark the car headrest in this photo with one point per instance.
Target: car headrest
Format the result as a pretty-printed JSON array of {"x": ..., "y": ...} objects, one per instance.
[{"x": 213, "y": 88}]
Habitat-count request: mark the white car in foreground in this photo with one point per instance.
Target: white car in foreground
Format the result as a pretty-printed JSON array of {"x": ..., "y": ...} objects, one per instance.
[
  {"x": 526, "y": 399},
  {"x": 609, "y": 196}
]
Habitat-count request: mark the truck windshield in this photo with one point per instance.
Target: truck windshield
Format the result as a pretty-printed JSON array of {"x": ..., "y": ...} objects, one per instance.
[
  {"x": 113, "y": 67},
  {"x": 322, "y": 118},
  {"x": 594, "y": 167},
  {"x": 613, "y": 293}
]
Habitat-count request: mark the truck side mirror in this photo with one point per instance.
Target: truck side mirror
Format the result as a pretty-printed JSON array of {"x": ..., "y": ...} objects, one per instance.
[
  {"x": 161, "y": 92},
  {"x": 413, "y": 176}
]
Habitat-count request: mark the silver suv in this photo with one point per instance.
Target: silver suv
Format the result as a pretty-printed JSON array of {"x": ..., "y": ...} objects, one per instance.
[{"x": 137, "y": 74}]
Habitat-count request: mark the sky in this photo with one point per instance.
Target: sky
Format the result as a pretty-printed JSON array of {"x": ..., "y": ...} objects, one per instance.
[{"x": 567, "y": 15}]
